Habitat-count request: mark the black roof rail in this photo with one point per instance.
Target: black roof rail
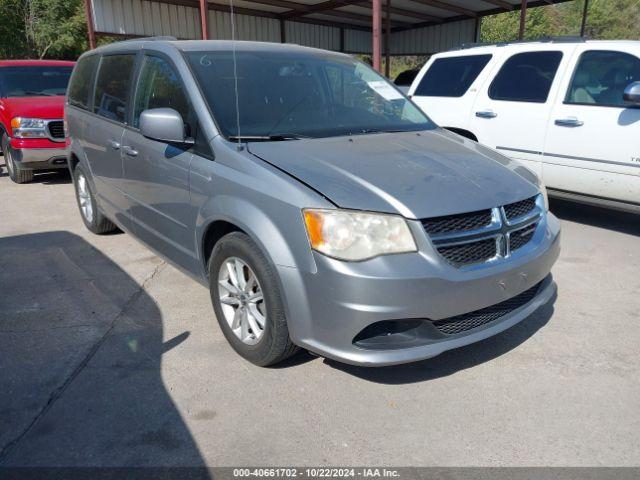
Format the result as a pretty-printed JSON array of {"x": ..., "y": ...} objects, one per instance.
[
  {"x": 160, "y": 38},
  {"x": 546, "y": 39}
]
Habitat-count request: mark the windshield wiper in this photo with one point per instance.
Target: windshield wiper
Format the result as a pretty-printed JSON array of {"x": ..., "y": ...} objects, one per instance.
[
  {"x": 276, "y": 137},
  {"x": 39, "y": 94},
  {"x": 365, "y": 131}
]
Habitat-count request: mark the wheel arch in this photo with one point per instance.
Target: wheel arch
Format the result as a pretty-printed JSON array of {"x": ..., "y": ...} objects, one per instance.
[
  {"x": 214, "y": 231},
  {"x": 224, "y": 214}
]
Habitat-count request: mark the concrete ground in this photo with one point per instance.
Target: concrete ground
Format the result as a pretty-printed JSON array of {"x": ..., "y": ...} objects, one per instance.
[{"x": 111, "y": 357}]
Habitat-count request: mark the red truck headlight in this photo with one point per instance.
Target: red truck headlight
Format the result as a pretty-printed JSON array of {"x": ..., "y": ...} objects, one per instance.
[{"x": 29, "y": 127}]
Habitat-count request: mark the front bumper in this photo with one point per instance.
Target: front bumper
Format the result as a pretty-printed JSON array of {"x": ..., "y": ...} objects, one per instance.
[
  {"x": 329, "y": 308},
  {"x": 39, "y": 158}
]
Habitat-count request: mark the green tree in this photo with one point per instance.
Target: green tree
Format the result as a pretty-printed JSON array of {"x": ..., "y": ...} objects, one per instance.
[
  {"x": 42, "y": 28},
  {"x": 606, "y": 19}
]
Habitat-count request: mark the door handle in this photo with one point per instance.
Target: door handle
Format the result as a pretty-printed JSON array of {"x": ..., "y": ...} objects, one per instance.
[
  {"x": 113, "y": 144},
  {"x": 130, "y": 151},
  {"x": 569, "y": 122},
  {"x": 486, "y": 114}
]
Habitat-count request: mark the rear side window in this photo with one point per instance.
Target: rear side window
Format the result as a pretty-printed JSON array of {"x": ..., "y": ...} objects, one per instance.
[
  {"x": 112, "y": 86},
  {"x": 526, "y": 77},
  {"x": 81, "y": 83},
  {"x": 601, "y": 78},
  {"x": 451, "y": 77}
]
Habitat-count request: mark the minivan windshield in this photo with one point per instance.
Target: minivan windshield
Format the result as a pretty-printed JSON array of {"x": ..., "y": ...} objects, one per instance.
[
  {"x": 291, "y": 95},
  {"x": 33, "y": 81}
]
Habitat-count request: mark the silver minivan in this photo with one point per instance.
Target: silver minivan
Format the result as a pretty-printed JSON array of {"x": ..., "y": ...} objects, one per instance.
[{"x": 320, "y": 206}]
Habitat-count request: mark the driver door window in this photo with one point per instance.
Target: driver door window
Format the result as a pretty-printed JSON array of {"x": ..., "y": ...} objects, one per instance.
[
  {"x": 601, "y": 77},
  {"x": 159, "y": 87}
]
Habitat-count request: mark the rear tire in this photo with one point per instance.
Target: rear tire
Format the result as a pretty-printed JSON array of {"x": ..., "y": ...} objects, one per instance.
[
  {"x": 270, "y": 343},
  {"x": 15, "y": 174},
  {"x": 91, "y": 215}
]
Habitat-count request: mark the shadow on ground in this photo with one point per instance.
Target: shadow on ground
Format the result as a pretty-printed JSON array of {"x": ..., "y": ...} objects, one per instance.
[
  {"x": 609, "y": 219},
  {"x": 453, "y": 361},
  {"x": 80, "y": 350}
]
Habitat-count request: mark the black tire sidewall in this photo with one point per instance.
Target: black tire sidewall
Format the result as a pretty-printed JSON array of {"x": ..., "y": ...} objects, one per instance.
[
  {"x": 276, "y": 333},
  {"x": 12, "y": 171}
]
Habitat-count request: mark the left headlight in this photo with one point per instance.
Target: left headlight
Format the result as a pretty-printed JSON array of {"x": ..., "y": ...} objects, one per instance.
[
  {"x": 351, "y": 235},
  {"x": 29, "y": 127}
]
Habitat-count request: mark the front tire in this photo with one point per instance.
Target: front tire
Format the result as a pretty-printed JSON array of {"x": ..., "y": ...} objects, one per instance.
[
  {"x": 15, "y": 174},
  {"x": 93, "y": 219},
  {"x": 247, "y": 301}
]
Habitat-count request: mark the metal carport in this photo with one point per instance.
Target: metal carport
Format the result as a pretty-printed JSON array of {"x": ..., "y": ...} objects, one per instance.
[{"x": 397, "y": 27}]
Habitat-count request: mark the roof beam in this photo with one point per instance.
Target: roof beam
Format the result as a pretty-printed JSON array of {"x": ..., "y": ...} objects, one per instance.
[
  {"x": 261, "y": 13},
  {"x": 358, "y": 17},
  {"x": 301, "y": 9},
  {"x": 447, "y": 6},
  {"x": 500, "y": 3},
  {"x": 409, "y": 13}
]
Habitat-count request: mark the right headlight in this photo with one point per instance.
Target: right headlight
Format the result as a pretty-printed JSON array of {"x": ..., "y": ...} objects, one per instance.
[{"x": 352, "y": 235}]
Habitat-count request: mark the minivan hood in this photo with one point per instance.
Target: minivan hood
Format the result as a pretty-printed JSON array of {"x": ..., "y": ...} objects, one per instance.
[
  {"x": 34, "y": 107},
  {"x": 416, "y": 174}
]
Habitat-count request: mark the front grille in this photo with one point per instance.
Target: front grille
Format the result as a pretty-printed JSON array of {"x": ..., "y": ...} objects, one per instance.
[
  {"x": 469, "y": 253},
  {"x": 520, "y": 238},
  {"x": 485, "y": 235},
  {"x": 468, "y": 321},
  {"x": 519, "y": 209},
  {"x": 56, "y": 129},
  {"x": 457, "y": 223}
]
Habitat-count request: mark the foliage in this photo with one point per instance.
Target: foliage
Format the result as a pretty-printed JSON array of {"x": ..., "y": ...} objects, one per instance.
[
  {"x": 42, "y": 28},
  {"x": 606, "y": 19}
]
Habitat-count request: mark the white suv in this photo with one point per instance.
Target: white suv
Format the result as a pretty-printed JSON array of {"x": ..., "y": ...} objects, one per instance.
[{"x": 569, "y": 110}]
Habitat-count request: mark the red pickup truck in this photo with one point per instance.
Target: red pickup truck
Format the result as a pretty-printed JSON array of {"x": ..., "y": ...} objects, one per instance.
[{"x": 31, "y": 116}]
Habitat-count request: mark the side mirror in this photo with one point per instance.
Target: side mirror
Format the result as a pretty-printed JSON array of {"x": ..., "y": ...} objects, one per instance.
[
  {"x": 632, "y": 94},
  {"x": 163, "y": 124}
]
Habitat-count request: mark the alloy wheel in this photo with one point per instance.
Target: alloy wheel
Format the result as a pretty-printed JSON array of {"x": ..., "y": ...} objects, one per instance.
[
  {"x": 84, "y": 198},
  {"x": 242, "y": 300}
]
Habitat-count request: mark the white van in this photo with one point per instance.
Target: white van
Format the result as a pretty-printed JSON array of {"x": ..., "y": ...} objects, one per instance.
[{"x": 568, "y": 109}]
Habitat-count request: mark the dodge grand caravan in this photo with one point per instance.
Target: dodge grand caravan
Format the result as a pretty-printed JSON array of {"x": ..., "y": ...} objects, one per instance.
[{"x": 320, "y": 206}]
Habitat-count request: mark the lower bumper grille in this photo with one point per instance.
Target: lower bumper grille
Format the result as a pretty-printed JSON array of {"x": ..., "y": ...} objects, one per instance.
[{"x": 467, "y": 321}]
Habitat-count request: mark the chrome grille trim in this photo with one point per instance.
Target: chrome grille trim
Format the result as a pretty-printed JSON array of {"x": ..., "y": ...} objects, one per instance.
[
  {"x": 48, "y": 131},
  {"x": 500, "y": 229}
]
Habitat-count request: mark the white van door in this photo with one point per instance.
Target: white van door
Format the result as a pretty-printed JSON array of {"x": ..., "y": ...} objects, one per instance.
[
  {"x": 513, "y": 107},
  {"x": 592, "y": 144}
]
